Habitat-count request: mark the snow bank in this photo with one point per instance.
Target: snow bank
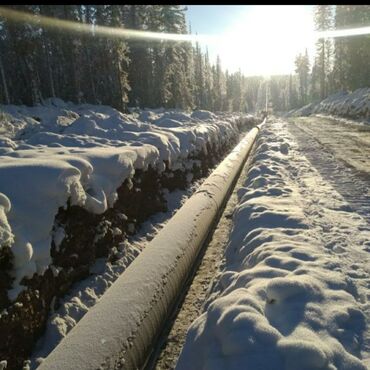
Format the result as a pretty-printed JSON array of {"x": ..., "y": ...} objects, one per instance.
[
  {"x": 355, "y": 105},
  {"x": 286, "y": 299},
  {"x": 60, "y": 152},
  {"x": 151, "y": 283},
  {"x": 6, "y": 235}
]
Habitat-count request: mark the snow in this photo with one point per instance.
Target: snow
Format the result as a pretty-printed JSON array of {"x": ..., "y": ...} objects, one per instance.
[
  {"x": 354, "y": 105},
  {"x": 203, "y": 115},
  {"x": 58, "y": 236},
  {"x": 59, "y": 151},
  {"x": 87, "y": 292},
  {"x": 137, "y": 315},
  {"x": 295, "y": 287},
  {"x": 6, "y": 235}
]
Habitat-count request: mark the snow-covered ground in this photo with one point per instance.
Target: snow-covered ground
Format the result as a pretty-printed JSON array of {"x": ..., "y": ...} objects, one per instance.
[
  {"x": 355, "y": 105},
  {"x": 59, "y": 151},
  {"x": 86, "y": 293},
  {"x": 295, "y": 290},
  {"x": 60, "y": 154}
]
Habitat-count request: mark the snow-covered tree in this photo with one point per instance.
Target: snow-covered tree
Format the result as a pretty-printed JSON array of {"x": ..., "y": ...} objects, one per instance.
[
  {"x": 323, "y": 22},
  {"x": 302, "y": 64}
]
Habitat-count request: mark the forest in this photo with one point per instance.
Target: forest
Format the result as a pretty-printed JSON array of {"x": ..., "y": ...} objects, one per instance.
[{"x": 37, "y": 62}]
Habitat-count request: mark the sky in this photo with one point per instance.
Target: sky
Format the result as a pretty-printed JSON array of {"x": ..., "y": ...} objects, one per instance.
[{"x": 258, "y": 39}]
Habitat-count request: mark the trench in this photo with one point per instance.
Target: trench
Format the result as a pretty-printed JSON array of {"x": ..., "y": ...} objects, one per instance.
[
  {"x": 129, "y": 324},
  {"x": 25, "y": 320},
  {"x": 198, "y": 291}
]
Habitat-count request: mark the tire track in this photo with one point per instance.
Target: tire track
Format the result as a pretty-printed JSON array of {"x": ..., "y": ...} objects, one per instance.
[{"x": 351, "y": 184}]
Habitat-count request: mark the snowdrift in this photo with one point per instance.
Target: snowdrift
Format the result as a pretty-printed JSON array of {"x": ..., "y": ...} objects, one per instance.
[
  {"x": 355, "y": 105},
  {"x": 74, "y": 180},
  {"x": 286, "y": 298}
]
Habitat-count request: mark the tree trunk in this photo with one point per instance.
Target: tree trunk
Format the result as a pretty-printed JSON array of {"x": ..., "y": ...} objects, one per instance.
[
  {"x": 7, "y": 100},
  {"x": 51, "y": 81}
]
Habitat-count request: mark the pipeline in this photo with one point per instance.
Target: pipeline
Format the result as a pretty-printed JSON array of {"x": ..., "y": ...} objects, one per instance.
[{"x": 120, "y": 331}]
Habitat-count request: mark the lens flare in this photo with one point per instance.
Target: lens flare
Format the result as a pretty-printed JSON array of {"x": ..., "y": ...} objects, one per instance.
[
  {"x": 49, "y": 22},
  {"x": 249, "y": 44},
  {"x": 343, "y": 33}
]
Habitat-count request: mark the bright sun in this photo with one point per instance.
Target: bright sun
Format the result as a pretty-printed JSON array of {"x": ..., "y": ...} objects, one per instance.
[{"x": 266, "y": 40}]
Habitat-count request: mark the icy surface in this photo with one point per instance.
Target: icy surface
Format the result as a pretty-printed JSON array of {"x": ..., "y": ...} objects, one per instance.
[
  {"x": 59, "y": 151},
  {"x": 295, "y": 290}
]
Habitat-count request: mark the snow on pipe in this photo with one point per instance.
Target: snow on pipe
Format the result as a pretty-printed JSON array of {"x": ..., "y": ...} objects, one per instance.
[{"x": 121, "y": 329}]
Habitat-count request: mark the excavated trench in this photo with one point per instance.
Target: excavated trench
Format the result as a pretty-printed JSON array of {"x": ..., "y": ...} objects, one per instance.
[
  {"x": 196, "y": 295},
  {"x": 88, "y": 237},
  {"x": 122, "y": 330}
]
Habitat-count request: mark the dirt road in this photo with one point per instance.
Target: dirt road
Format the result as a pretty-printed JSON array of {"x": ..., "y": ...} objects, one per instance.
[{"x": 341, "y": 153}]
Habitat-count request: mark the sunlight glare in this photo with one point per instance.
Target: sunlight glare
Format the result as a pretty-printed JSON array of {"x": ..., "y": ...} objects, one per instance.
[{"x": 266, "y": 39}]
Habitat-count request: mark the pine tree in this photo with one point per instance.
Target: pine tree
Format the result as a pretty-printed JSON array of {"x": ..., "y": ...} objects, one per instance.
[
  {"x": 323, "y": 22},
  {"x": 293, "y": 95},
  {"x": 4, "y": 92},
  {"x": 119, "y": 63},
  {"x": 199, "y": 98},
  {"x": 48, "y": 78},
  {"x": 89, "y": 89},
  {"x": 302, "y": 64},
  {"x": 340, "y": 51},
  {"x": 186, "y": 68},
  {"x": 237, "y": 92},
  {"x": 140, "y": 68},
  {"x": 4, "y": 84},
  {"x": 208, "y": 83},
  {"x": 21, "y": 44},
  {"x": 175, "y": 92},
  {"x": 358, "y": 47},
  {"x": 251, "y": 92},
  {"x": 219, "y": 87},
  {"x": 38, "y": 62},
  {"x": 189, "y": 71}
]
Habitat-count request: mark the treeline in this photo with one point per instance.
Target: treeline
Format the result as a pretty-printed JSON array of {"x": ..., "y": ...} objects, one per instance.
[
  {"x": 280, "y": 92},
  {"x": 341, "y": 63},
  {"x": 38, "y": 62}
]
